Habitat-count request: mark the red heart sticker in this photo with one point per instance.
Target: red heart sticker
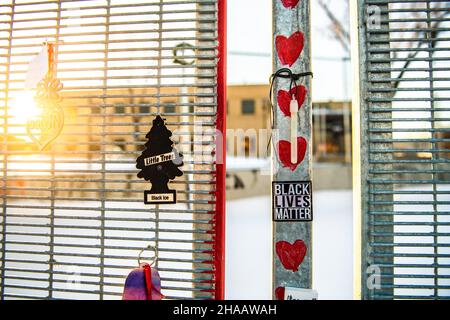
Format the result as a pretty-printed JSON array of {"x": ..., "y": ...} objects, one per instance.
[
  {"x": 279, "y": 293},
  {"x": 284, "y": 152},
  {"x": 290, "y": 3},
  {"x": 284, "y": 99},
  {"x": 291, "y": 255},
  {"x": 289, "y": 49}
]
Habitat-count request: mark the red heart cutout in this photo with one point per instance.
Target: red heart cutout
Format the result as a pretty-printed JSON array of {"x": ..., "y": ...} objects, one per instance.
[
  {"x": 290, "y": 3},
  {"x": 291, "y": 255},
  {"x": 284, "y": 99},
  {"x": 284, "y": 152},
  {"x": 279, "y": 293},
  {"x": 289, "y": 49}
]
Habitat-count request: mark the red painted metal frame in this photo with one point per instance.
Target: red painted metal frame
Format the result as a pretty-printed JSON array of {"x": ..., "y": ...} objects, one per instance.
[{"x": 221, "y": 154}]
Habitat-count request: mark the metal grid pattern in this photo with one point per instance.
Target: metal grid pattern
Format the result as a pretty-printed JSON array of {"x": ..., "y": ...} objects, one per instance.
[
  {"x": 405, "y": 138},
  {"x": 73, "y": 219}
]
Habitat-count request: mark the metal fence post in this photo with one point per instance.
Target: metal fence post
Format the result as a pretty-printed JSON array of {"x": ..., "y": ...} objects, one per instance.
[{"x": 287, "y": 20}]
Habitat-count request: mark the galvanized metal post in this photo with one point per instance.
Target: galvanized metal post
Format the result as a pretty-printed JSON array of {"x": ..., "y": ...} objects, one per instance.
[
  {"x": 287, "y": 20},
  {"x": 372, "y": 136}
]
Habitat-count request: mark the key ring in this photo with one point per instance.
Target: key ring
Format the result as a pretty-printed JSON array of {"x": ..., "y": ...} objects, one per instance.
[{"x": 155, "y": 257}]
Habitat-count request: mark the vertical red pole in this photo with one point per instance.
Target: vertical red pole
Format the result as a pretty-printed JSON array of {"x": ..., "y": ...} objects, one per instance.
[{"x": 221, "y": 152}]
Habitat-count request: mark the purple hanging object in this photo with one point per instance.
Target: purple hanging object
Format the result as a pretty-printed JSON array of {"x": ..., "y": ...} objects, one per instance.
[{"x": 136, "y": 284}]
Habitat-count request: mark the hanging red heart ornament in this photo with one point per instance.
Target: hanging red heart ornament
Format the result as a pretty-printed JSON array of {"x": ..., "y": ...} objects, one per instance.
[
  {"x": 289, "y": 49},
  {"x": 279, "y": 293},
  {"x": 291, "y": 255},
  {"x": 284, "y": 99},
  {"x": 290, "y": 3},
  {"x": 284, "y": 152}
]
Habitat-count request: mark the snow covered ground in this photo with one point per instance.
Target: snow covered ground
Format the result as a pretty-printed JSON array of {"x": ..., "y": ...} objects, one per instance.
[
  {"x": 248, "y": 247},
  {"x": 249, "y": 240}
]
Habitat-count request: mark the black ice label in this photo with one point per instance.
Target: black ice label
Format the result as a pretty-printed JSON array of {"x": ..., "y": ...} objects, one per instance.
[{"x": 292, "y": 201}]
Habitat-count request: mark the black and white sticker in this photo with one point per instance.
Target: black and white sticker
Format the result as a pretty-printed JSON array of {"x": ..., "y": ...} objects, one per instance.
[{"x": 292, "y": 201}]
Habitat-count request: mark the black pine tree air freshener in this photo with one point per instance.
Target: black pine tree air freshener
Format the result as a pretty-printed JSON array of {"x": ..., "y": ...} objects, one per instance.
[{"x": 159, "y": 163}]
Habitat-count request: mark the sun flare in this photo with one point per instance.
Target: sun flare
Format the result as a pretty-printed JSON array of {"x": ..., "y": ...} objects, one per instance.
[{"x": 22, "y": 108}]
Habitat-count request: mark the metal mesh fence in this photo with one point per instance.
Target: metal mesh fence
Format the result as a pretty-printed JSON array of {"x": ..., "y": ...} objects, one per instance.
[
  {"x": 405, "y": 79},
  {"x": 72, "y": 216}
]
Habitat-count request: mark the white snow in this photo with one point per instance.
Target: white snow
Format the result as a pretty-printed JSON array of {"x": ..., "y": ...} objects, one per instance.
[
  {"x": 248, "y": 272},
  {"x": 249, "y": 240}
]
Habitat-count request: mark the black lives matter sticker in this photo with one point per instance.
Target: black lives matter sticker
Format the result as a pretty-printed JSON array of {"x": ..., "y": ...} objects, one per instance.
[{"x": 292, "y": 201}]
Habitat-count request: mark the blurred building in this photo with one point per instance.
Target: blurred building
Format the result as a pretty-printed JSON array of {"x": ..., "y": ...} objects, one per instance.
[
  {"x": 120, "y": 135},
  {"x": 130, "y": 112},
  {"x": 249, "y": 108}
]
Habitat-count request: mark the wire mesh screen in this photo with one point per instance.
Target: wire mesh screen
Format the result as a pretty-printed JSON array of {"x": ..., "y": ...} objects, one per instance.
[
  {"x": 73, "y": 219},
  {"x": 406, "y": 143}
]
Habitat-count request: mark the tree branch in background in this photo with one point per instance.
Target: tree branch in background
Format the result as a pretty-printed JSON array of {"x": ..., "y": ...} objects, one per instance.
[
  {"x": 425, "y": 38},
  {"x": 340, "y": 33}
]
